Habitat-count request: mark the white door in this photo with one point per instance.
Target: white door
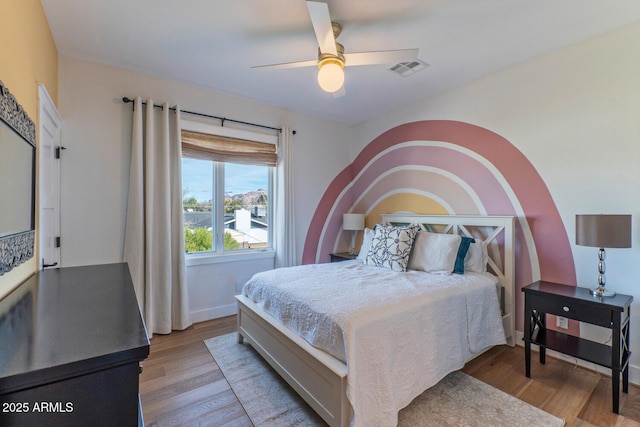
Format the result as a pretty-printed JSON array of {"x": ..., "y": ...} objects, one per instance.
[{"x": 49, "y": 149}]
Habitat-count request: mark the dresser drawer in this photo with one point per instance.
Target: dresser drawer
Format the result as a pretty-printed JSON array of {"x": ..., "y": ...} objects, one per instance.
[{"x": 571, "y": 309}]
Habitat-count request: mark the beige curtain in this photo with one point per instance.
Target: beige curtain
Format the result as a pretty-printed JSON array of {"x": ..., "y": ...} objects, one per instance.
[
  {"x": 285, "y": 236},
  {"x": 154, "y": 240}
]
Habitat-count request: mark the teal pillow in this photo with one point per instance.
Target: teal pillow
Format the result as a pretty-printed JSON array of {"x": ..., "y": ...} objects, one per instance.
[{"x": 458, "y": 268}]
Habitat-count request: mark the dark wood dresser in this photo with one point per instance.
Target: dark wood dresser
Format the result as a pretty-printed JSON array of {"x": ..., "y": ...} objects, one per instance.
[{"x": 71, "y": 343}]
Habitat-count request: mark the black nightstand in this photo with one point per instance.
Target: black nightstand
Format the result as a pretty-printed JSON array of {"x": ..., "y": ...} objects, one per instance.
[
  {"x": 342, "y": 256},
  {"x": 577, "y": 303}
]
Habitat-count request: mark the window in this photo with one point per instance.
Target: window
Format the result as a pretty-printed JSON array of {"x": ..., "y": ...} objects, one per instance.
[{"x": 227, "y": 187}]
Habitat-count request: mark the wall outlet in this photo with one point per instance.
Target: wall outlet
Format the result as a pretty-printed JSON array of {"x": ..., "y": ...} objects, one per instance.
[{"x": 562, "y": 322}]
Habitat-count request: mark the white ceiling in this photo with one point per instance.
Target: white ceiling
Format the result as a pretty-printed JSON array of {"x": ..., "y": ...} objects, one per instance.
[{"x": 213, "y": 43}]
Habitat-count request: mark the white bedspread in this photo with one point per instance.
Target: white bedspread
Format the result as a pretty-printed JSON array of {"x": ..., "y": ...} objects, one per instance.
[{"x": 399, "y": 333}]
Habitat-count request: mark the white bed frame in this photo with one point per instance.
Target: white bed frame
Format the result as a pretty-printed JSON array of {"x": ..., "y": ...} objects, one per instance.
[{"x": 321, "y": 379}]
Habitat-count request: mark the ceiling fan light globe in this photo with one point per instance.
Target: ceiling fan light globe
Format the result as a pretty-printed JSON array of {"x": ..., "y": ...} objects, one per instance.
[{"x": 330, "y": 77}]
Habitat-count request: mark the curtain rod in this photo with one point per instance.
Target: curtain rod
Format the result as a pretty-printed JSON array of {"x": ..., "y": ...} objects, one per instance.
[{"x": 222, "y": 119}]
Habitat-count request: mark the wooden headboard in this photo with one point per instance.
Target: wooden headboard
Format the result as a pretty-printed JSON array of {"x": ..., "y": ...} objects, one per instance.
[{"x": 496, "y": 232}]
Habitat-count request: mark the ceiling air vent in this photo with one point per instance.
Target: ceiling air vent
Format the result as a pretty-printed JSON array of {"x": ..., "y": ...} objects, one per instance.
[{"x": 406, "y": 69}]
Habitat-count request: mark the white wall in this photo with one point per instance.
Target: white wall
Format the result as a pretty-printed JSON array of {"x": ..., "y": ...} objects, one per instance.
[
  {"x": 95, "y": 167},
  {"x": 575, "y": 114}
]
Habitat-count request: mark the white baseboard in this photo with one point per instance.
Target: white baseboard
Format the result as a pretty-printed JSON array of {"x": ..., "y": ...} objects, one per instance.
[
  {"x": 213, "y": 313},
  {"x": 634, "y": 371}
]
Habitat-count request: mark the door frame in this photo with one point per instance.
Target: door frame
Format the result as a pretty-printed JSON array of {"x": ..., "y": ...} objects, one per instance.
[{"x": 48, "y": 116}]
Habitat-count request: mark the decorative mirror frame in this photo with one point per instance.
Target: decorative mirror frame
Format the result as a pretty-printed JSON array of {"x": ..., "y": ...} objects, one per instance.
[{"x": 18, "y": 247}]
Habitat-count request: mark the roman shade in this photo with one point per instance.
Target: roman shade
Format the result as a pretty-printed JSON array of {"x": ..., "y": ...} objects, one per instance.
[{"x": 227, "y": 149}]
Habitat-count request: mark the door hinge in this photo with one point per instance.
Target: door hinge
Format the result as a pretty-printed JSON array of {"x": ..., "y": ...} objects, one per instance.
[
  {"x": 58, "y": 150},
  {"x": 57, "y": 242}
]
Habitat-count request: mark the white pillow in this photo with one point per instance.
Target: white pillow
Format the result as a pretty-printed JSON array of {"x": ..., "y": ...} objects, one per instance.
[
  {"x": 434, "y": 252},
  {"x": 477, "y": 257},
  {"x": 391, "y": 246},
  {"x": 366, "y": 244}
]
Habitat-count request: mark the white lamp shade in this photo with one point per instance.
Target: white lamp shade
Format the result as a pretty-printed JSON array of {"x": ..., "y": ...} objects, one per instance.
[
  {"x": 352, "y": 221},
  {"x": 331, "y": 77}
]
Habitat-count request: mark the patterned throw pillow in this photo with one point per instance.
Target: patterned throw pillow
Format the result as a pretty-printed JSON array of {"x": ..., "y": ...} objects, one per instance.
[{"x": 391, "y": 246}]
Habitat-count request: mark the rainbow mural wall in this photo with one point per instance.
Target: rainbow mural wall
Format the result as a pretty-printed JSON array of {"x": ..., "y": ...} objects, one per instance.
[{"x": 448, "y": 167}]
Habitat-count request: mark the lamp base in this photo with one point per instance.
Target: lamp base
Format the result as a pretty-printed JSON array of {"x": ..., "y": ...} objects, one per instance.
[
  {"x": 602, "y": 292},
  {"x": 352, "y": 249}
]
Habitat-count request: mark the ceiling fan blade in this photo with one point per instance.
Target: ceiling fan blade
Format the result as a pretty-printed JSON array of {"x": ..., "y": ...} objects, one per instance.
[
  {"x": 380, "y": 57},
  {"x": 321, "y": 21},
  {"x": 298, "y": 64}
]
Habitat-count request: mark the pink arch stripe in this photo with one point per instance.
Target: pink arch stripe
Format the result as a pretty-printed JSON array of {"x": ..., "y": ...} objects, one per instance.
[{"x": 550, "y": 238}]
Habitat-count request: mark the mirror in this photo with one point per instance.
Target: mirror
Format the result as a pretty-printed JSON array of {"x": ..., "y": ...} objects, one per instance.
[{"x": 17, "y": 177}]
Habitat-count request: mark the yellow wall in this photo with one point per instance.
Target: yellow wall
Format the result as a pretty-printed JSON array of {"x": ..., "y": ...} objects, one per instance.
[{"x": 28, "y": 56}]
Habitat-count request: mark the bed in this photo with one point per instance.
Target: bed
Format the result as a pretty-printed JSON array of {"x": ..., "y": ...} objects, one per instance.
[{"x": 458, "y": 318}]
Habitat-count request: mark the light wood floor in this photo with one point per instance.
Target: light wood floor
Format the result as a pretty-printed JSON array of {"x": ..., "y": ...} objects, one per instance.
[{"x": 181, "y": 384}]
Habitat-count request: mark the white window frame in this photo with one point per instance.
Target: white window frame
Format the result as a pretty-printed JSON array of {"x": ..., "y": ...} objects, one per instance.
[{"x": 218, "y": 254}]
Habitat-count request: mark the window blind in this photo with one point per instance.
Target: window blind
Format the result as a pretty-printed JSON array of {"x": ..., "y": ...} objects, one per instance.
[{"x": 218, "y": 148}]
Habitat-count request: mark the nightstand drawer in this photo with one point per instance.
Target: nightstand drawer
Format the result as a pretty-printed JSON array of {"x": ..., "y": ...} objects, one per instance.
[{"x": 571, "y": 309}]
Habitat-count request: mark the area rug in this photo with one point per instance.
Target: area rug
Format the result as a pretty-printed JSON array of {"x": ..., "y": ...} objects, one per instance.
[{"x": 457, "y": 400}]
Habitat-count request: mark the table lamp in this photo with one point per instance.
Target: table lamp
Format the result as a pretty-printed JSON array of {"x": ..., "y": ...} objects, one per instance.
[
  {"x": 603, "y": 231},
  {"x": 353, "y": 222}
]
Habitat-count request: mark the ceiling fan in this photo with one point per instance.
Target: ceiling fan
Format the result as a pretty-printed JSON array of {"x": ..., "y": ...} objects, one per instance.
[{"x": 331, "y": 57}]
